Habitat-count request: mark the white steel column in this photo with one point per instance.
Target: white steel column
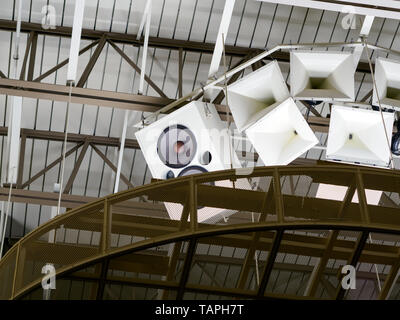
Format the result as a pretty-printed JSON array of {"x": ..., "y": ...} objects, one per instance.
[
  {"x": 75, "y": 40},
  {"x": 210, "y": 93},
  {"x": 121, "y": 151},
  {"x": 222, "y": 32},
  {"x": 147, "y": 18},
  {"x": 364, "y": 32},
  {"x": 13, "y": 136}
]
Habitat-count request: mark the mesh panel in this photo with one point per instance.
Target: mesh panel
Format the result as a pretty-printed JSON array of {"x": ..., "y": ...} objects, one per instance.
[
  {"x": 72, "y": 240},
  {"x": 7, "y": 268}
]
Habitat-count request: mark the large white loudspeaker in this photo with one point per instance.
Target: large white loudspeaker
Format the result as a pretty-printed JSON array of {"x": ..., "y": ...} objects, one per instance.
[
  {"x": 322, "y": 76},
  {"x": 251, "y": 96},
  {"x": 387, "y": 78},
  {"x": 282, "y": 134},
  {"x": 191, "y": 140},
  {"x": 358, "y": 136}
]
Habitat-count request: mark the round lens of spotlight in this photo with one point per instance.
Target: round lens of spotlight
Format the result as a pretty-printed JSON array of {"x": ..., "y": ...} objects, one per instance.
[{"x": 176, "y": 146}]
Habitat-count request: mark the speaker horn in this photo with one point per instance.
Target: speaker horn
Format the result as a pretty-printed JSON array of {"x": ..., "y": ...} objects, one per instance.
[
  {"x": 358, "y": 136},
  {"x": 321, "y": 76},
  {"x": 387, "y": 79},
  {"x": 282, "y": 134},
  {"x": 253, "y": 94}
]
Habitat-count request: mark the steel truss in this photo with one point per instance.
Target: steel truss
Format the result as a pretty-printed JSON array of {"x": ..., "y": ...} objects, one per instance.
[{"x": 150, "y": 266}]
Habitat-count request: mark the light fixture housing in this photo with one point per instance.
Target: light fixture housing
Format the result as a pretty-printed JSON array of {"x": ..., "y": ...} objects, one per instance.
[
  {"x": 190, "y": 140},
  {"x": 281, "y": 134},
  {"x": 357, "y": 136},
  {"x": 253, "y": 94},
  {"x": 321, "y": 76},
  {"x": 387, "y": 79}
]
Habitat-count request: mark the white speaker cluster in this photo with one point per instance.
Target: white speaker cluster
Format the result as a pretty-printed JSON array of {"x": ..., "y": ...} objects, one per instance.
[
  {"x": 188, "y": 141},
  {"x": 193, "y": 139},
  {"x": 261, "y": 107}
]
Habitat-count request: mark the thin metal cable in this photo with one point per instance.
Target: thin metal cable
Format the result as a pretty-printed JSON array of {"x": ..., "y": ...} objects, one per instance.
[
  {"x": 64, "y": 149},
  {"x": 379, "y": 103},
  {"x": 228, "y": 118},
  {"x": 255, "y": 257}
]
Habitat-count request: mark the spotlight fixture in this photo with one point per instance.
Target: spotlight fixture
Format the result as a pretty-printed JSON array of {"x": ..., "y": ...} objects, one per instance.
[
  {"x": 357, "y": 136},
  {"x": 321, "y": 76}
]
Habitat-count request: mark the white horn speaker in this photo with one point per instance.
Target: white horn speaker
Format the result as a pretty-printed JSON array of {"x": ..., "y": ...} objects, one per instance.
[
  {"x": 250, "y": 96},
  {"x": 387, "y": 78},
  {"x": 358, "y": 136},
  {"x": 321, "y": 76},
  {"x": 191, "y": 140},
  {"x": 282, "y": 134}
]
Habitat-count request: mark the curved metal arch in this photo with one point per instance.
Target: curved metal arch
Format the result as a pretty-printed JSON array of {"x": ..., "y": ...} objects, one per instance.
[
  {"x": 193, "y": 187},
  {"x": 195, "y": 235}
]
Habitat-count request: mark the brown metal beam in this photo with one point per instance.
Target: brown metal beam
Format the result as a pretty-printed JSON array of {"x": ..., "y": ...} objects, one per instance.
[
  {"x": 180, "y": 77},
  {"x": 93, "y": 59},
  {"x": 330, "y": 242},
  {"x": 353, "y": 261},
  {"x": 266, "y": 206},
  {"x": 55, "y": 92},
  {"x": 270, "y": 263},
  {"x": 362, "y": 198},
  {"x": 111, "y": 165},
  {"x": 73, "y": 137},
  {"x": 186, "y": 268},
  {"x": 164, "y": 43},
  {"x": 138, "y": 70},
  {"x": 173, "y": 261},
  {"x": 367, "y": 96},
  {"x": 311, "y": 108},
  {"x": 31, "y": 89},
  {"x": 64, "y": 62},
  {"x": 48, "y": 167},
  {"x": 390, "y": 280},
  {"x": 74, "y": 172},
  {"x": 21, "y": 161},
  {"x": 32, "y": 57},
  {"x": 25, "y": 61}
]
